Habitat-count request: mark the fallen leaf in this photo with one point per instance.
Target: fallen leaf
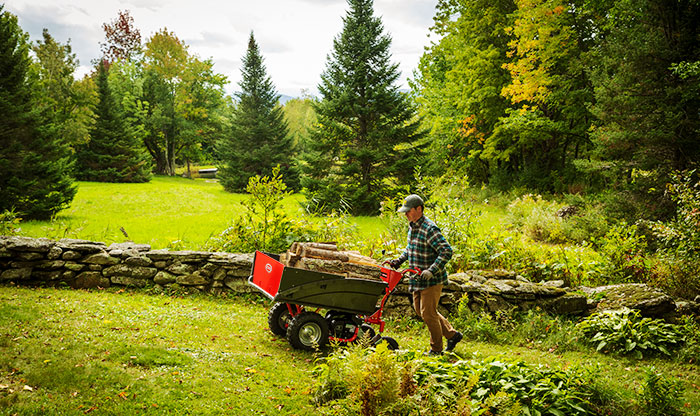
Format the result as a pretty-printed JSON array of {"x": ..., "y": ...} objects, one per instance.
[
  {"x": 28, "y": 388},
  {"x": 4, "y": 386}
]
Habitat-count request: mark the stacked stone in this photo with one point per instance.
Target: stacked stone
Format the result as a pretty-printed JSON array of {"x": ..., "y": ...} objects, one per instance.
[
  {"x": 498, "y": 290},
  {"x": 87, "y": 264}
]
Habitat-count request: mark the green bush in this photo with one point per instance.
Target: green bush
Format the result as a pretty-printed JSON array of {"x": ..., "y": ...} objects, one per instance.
[
  {"x": 679, "y": 238},
  {"x": 9, "y": 222},
  {"x": 625, "y": 332},
  {"x": 675, "y": 275},
  {"x": 536, "y": 217},
  {"x": 587, "y": 224},
  {"x": 264, "y": 226},
  {"x": 624, "y": 251}
]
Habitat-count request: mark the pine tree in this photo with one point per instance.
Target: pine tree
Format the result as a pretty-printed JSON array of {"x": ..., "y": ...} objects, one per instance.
[
  {"x": 363, "y": 120},
  {"x": 35, "y": 165},
  {"x": 259, "y": 138},
  {"x": 113, "y": 153}
]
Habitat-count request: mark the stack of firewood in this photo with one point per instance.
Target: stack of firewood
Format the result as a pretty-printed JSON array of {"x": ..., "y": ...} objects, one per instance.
[{"x": 325, "y": 257}]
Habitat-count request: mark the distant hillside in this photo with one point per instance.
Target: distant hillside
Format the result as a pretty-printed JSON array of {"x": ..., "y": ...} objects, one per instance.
[{"x": 285, "y": 98}]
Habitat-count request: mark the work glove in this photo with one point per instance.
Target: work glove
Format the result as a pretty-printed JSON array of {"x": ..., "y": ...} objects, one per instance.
[
  {"x": 394, "y": 264},
  {"x": 426, "y": 274}
]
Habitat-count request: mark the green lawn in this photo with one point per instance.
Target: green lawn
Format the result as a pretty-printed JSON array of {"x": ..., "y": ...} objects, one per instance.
[
  {"x": 128, "y": 352},
  {"x": 166, "y": 212}
]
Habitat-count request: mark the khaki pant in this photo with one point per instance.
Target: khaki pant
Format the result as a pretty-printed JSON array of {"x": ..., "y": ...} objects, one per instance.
[{"x": 425, "y": 303}]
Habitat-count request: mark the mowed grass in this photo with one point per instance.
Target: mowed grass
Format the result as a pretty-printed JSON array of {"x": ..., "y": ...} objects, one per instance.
[
  {"x": 131, "y": 352},
  {"x": 168, "y": 212},
  {"x": 74, "y": 352}
]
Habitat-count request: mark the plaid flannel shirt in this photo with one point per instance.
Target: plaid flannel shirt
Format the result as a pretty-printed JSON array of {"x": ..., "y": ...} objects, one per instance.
[{"x": 427, "y": 249}]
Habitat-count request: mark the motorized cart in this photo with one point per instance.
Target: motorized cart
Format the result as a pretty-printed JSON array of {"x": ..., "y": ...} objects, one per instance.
[{"x": 352, "y": 305}]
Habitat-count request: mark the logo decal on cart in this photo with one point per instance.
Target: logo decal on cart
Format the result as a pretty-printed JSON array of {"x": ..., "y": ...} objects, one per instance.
[{"x": 268, "y": 267}]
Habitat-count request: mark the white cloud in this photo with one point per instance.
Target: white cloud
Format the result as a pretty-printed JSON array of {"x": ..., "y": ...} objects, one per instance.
[{"x": 294, "y": 36}]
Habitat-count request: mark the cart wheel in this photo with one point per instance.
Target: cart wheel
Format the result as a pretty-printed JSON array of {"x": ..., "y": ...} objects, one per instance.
[
  {"x": 308, "y": 331},
  {"x": 278, "y": 319},
  {"x": 366, "y": 332},
  {"x": 391, "y": 343}
]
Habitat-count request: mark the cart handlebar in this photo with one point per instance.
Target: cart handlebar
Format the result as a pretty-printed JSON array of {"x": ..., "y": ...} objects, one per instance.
[{"x": 403, "y": 272}]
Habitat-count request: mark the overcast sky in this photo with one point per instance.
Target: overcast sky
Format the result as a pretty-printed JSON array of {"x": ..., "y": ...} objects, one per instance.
[{"x": 294, "y": 36}]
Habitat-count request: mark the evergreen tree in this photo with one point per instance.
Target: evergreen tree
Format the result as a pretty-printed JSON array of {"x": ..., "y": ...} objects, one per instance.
[
  {"x": 259, "y": 138},
  {"x": 648, "y": 114},
  {"x": 35, "y": 165},
  {"x": 363, "y": 120},
  {"x": 69, "y": 103},
  {"x": 113, "y": 153}
]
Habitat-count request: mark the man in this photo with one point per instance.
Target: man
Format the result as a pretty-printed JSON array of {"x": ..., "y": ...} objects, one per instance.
[{"x": 428, "y": 251}]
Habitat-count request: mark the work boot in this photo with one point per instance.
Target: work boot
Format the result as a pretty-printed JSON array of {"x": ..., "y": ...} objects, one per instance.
[{"x": 452, "y": 342}]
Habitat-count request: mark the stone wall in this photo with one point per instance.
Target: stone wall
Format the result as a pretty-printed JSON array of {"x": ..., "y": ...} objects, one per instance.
[{"x": 85, "y": 264}]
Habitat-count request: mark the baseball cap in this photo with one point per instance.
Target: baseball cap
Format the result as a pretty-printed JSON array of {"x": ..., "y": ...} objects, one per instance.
[{"x": 411, "y": 201}]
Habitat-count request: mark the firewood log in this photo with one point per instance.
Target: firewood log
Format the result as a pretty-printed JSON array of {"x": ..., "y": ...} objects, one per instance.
[
  {"x": 322, "y": 246},
  {"x": 318, "y": 253}
]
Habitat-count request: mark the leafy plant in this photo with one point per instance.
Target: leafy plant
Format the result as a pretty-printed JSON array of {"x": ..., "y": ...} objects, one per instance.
[
  {"x": 661, "y": 396},
  {"x": 625, "y": 332},
  {"x": 479, "y": 326},
  {"x": 680, "y": 237},
  {"x": 537, "y": 218},
  {"x": 624, "y": 251},
  {"x": 9, "y": 222},
  {"x": 264, "y": 226}
]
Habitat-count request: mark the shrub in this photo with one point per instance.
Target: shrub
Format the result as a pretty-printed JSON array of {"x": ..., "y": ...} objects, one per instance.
[
  {"x": 680, "y": 237},
  {"x": 624, "y": 252},
  {"x": 537, "y": 218},
  {"x": 676, "y": 276},
  {"x": 9, "y": 222},
  {"x": 366, "y": 377},
  {"x": 264, "y": 226},
  {"x": 589, "y": 223},
  {"x": 625, "y": 332}
]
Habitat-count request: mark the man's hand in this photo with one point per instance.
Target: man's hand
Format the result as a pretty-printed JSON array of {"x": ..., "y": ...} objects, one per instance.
[
  {"x": 426, "y": 274},
  {"x": 394, "y": 264}
]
